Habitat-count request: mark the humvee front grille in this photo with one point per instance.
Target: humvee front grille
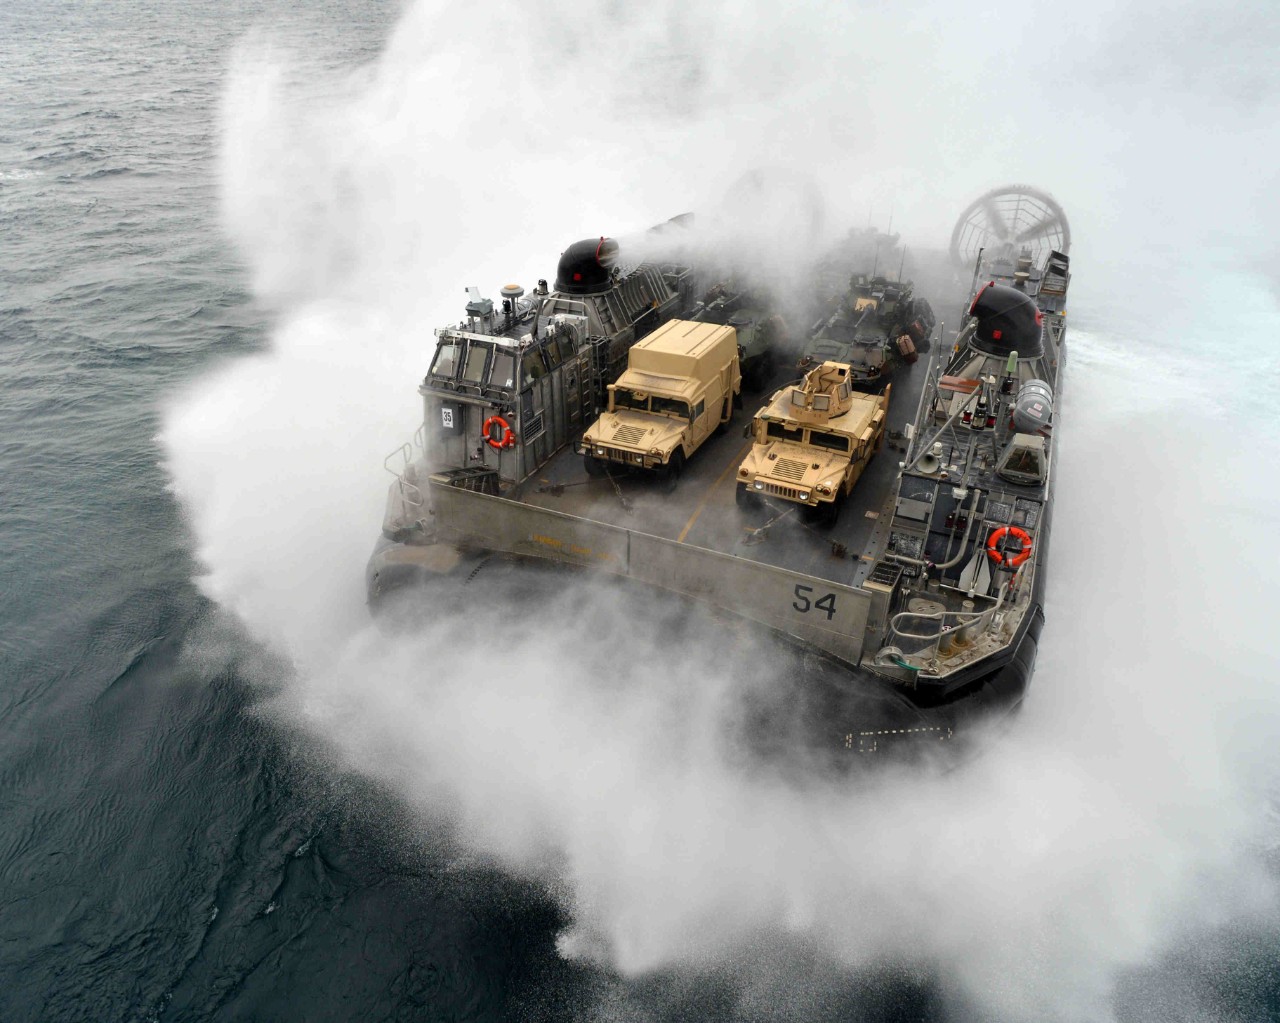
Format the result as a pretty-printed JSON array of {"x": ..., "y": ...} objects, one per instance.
[
  {"x": 790, "y": 469},
  {"x": 777, "y": 490},
  {"x": 618, "y": 455}
]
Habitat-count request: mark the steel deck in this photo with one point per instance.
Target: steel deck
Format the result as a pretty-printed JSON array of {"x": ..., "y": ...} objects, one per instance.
[{"x": 702, "y": 510}]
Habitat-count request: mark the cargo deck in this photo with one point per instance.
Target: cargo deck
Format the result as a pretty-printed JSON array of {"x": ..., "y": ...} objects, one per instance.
[{"x": 702, "y": 512}]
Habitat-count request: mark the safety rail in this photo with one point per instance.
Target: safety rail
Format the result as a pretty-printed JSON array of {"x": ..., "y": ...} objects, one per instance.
[
  {"x": 405, "y": 451},
  {"x": 958, "y": 620},
  {"x": 954, "y": 628},
  {"x": 917, "y": 651},
  {"x": 409, "y": 492}
]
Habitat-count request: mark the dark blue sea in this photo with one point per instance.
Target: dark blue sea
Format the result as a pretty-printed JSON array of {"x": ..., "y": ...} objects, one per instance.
[{"x": 226, "y": 231}]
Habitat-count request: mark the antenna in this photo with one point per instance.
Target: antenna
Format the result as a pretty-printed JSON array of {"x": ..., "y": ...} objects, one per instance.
[
  {"x": 977, "y": 266},
  {"x": 902, "y": 263}
]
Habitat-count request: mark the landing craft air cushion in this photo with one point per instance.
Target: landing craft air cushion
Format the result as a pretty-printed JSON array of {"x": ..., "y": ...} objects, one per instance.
[{"x": 916, "y": 614}]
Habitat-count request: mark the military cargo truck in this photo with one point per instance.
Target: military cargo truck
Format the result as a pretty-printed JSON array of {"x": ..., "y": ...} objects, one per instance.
[
  {"x": 682, "y": 382},
  {"x": 812, "y": 441}
]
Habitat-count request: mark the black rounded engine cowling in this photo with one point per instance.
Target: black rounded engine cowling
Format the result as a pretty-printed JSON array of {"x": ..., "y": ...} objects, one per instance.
[
  {"x": 584, "y": 267},
  {"x": 1008, "y": 321}
]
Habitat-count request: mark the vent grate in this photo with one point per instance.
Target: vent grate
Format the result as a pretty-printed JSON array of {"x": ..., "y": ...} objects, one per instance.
[
  {"x": 532, "y": 428},
  {"x": 790, "y": 469},
  {"x": 629, "y": 434}
]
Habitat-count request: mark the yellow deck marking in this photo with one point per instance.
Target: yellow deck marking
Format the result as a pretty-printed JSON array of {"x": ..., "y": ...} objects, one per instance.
[{"x": 733, "y": 465}]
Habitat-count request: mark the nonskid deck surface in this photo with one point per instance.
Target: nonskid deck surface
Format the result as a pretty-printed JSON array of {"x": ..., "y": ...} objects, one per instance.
[{"x": 702, "y": 510}]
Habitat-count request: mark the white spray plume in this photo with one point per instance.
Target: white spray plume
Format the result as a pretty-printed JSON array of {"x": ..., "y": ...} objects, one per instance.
[{"x": 1121, "y": 810}]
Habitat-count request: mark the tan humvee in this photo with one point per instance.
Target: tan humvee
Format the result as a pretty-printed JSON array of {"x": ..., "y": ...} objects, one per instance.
[
  {"x": 813, "y": 440},
  {"x": 681, "y": 383}
]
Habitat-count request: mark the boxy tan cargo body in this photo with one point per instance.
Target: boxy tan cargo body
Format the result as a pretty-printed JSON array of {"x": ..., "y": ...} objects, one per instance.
[
  {"x": 681, "y": 383},
  {"x": 813, "y": 440}
]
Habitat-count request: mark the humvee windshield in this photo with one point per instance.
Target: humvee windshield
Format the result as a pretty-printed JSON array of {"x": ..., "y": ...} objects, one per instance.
[
  {"x": 832, "y": 441},
  {"x": 781, "y": 431},
  {"x": 671, "y": 406},
  {"x": 628, "y": 399}
]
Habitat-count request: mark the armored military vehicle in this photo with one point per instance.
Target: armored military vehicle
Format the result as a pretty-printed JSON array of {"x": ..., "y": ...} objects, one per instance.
[
  {"x": 681, "y": 384},
  {"x": 812, "y": 441},
  {"x": 761, "y": 332},
  {"x": 912, "y": 619},
  {"x": 878, "y": 323}
]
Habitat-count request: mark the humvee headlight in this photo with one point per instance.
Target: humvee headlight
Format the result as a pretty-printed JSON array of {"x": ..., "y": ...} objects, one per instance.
[
  {"x": 599, "y": 451},
  {"x": 804, "y": 495},
  {"x": 759, "y": 485}
]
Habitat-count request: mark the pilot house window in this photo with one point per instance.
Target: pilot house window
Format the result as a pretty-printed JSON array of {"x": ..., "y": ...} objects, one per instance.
[
  {"x": 566, "y": 348},
  {"x": 446, "y": 363},
  {"x": 477, "y": 356},
  {"x": 532, "y": 366},
  {"x": 502, "y": 374}
]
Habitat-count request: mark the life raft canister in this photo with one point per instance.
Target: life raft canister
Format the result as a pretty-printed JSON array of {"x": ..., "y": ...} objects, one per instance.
[
  {"x": 500, "y": 438},
  {"x": 1008, "y": 560}
]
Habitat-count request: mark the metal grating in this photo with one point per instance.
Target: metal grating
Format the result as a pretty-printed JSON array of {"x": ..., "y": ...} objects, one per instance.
[
  {"x": 618, "y": 455},
  {"x": 790, "y": 469},
  {"x": 533, "y": 428},
  {"x": 630, "y": 434},
  {"x": 790, "y": 493}
]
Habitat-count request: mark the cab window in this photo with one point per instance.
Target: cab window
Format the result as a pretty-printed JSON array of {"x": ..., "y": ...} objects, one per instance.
[
  {"x": 503, "y": 372},
  {"x": 622, "y": 398},
  {"x": 532, "y": 367},
  {"x": 698, "y": 409},
  {"x": 446, "y": 361},
  {"x": 671, "y": 406},
  {"x": 477, "y": 357},
  {"x": 781, "y": 431},
  {"x": 831, "y": 441},
  {"x": 565, "y": 346}
]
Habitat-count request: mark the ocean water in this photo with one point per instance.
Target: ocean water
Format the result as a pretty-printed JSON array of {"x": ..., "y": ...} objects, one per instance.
[{"x": 228, "y": 229}]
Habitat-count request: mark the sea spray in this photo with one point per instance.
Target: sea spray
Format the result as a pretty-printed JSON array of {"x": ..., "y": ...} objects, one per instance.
[{"x": 580, "y": 745}]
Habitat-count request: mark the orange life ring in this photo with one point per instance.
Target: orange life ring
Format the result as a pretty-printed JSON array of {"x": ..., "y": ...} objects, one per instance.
[
  {"x": 1008, "y": 560},
  {"x": 503, "y": 439}
]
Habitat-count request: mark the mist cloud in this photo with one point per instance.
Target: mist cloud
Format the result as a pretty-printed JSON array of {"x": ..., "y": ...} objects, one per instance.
[{"x": 1125, "y": 807}]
